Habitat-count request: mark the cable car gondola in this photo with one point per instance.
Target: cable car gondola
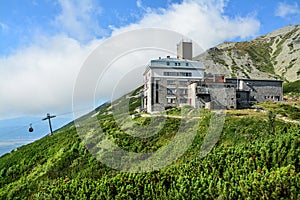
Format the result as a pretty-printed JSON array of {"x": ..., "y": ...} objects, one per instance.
[{"x": 30, "y": 128}]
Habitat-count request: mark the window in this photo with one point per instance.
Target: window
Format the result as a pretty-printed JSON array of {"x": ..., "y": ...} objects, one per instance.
[
  {"x": 183, "y": 100},
  {"x": 178, "y": 64},
  {"x": 182, "y": 91},
  {"x": 175, "y": 64},
  {"x": 168, "y": 63},
  {"x": 186, "y": 64},
  {"x": 187, "y": 74},
  {"x": 157, "y": 84},
  {"x": 169, "y": 73},
  {"x": 171, "y": 91},
  {"x": 183, "y": 83},
  {"x": 156, "y": 92},
  {"x": 171, "y": 100},
  {"x": 170, "y": 82}
]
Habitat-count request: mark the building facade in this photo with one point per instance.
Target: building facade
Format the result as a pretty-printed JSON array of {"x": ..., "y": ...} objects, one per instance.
[
  {"x": 259, "y": 90},
  {"x": 218, "y": 93},
  {"x": 173, "y": 82},
  {"x": 212, "y": 95},
  {"x": 166, "y": 82}
]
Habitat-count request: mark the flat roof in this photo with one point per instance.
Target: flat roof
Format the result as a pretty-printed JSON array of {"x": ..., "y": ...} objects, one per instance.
[{"x": 162, "y": 63}]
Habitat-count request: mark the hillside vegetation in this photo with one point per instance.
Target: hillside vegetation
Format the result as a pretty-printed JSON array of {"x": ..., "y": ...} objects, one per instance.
[
  {"x": 257, "y": 157},
  {"x": 293, "y": 87}
]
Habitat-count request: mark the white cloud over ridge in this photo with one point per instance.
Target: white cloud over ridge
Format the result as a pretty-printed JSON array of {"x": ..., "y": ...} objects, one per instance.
[
  {"x": 284, "y": 9},
  {"x": 40, "y": 78},
  {"x": 202, "y": 21}
]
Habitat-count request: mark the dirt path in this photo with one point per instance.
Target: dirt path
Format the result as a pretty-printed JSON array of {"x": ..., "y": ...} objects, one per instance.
[
  {"x": 285, "y": 119},
  {"x": 288, "y": 120},
  {"x": 170, "y": 116}
]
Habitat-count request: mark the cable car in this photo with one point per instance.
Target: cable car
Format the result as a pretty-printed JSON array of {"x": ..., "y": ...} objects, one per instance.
[{"x": 30, "y": 128}]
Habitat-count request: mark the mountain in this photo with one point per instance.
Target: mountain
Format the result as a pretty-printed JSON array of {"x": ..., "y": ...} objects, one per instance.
[
  {"x": 247, "y": 161},
  {"x": 255, "y": 156},
  {"x": 274, "y": 55}
]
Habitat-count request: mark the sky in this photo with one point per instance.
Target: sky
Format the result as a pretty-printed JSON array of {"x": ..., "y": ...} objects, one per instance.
[{"x": 44, "y": 43}]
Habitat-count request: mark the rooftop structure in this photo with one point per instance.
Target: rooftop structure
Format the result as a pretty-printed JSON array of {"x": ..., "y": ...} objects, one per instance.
[{"x": 185, "y": 50}]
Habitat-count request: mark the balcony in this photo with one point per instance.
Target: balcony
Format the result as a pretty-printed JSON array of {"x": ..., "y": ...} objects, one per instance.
[{"x": 202, "y": 91}]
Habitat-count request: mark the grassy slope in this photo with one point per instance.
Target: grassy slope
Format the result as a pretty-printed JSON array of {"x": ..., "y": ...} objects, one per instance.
[
  {"x": 293, "y": 87},
  {"x": 248, "y": 161}
]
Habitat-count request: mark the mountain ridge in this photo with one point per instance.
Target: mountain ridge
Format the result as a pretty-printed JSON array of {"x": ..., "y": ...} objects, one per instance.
[{"x": 271, "y": 56}]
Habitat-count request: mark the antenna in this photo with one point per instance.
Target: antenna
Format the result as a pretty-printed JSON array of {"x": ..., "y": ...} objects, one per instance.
[{"x": 49, "y": 117}]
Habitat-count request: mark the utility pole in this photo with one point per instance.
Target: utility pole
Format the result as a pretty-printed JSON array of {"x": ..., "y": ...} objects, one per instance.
[{"x": 49, "y": 117}]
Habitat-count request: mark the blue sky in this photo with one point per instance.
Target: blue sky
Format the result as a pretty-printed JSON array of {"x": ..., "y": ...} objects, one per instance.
[
  {"x": 44, "y": 42},
  {"x": 21, "y": 21}
]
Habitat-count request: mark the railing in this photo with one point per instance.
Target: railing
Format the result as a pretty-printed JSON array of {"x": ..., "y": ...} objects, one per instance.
[{"x": 202, "y": 91}]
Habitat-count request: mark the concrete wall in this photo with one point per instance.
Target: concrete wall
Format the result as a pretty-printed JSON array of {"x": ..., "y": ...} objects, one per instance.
[
  {"x": 185, "y": 50},
  {"x": 212, "y": 96},
  {"x": 169, "y": 92},
  {"x": 226, "y": 96}
]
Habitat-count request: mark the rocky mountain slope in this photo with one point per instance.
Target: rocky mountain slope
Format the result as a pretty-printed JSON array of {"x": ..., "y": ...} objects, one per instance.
[{"x": 274, "y": 55}]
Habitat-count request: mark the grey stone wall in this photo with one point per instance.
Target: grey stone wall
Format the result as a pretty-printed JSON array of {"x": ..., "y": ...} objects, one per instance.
[
  {"x": 216, "y": 96},
  {"x": 260, "y": 90},
  {"x": 160, "y": 95}
]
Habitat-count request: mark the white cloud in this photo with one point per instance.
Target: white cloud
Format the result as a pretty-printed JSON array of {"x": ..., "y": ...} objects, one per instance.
[
  {"x": 13, "y": 142},
  {"x": 284, "y": 9},
  {"x": 202, "y": 21},
  {"x": 3, "y": 27},
  {"x": 79, "y": 19},
  {"x": 41, "y": 77},
  {"x": 139, "y": 3}
]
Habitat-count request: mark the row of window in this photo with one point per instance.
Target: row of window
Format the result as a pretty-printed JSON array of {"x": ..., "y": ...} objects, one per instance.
[
  {"x": 187, "y": 74},
  {"x": 173, "y": 82},
  {"x": 172, "y": 91},
  {"x": 178, "y": 64},
  {"x": 277, "y": 98},
  {"x": 173, "y": 100}
]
